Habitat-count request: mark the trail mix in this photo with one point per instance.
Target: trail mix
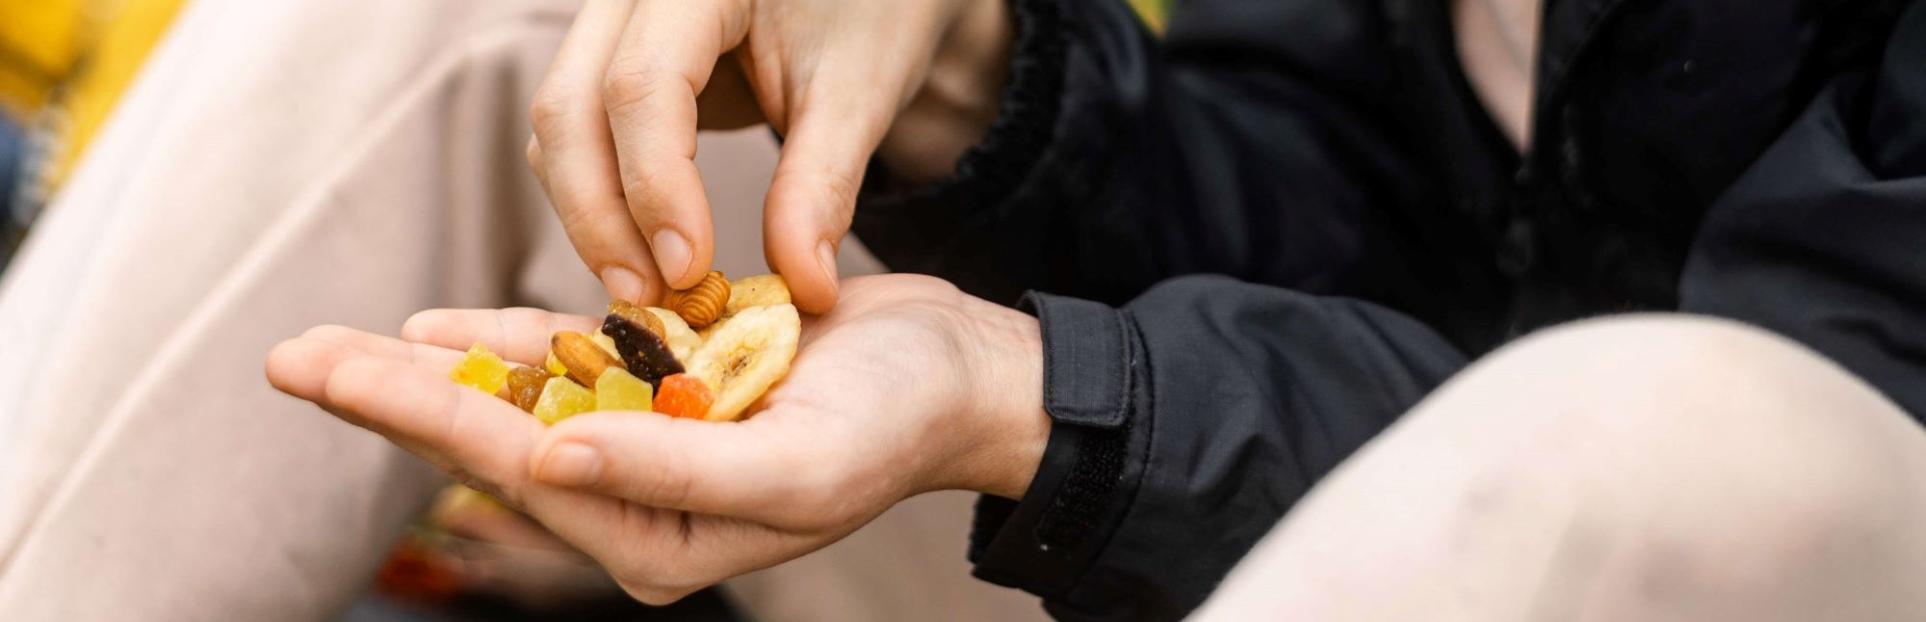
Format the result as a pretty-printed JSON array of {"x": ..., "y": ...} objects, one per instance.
[{"x": 708, "y": 353}]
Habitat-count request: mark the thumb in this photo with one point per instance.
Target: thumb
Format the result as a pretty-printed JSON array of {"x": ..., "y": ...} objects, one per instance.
[{"x": 813, "y": 196}]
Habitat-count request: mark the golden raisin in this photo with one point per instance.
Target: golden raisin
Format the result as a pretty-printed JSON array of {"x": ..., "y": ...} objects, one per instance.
[
  {"x": 525, "y": 386},
  {"x": 641, "y": 316}
]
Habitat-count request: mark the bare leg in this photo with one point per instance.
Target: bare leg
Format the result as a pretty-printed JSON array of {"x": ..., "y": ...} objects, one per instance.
[{"x": 1650, "y": 468}]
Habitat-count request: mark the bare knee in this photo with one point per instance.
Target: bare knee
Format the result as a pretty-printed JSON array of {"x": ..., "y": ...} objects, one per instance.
[
  {"x": 1685, "y": 377},
  {"x": 1711, "y": 463}
]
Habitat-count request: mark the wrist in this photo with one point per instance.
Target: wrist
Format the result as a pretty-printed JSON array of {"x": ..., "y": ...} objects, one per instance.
[
  {"x": 1006, "y": 375},
  {"x": 960, "y": 97}
]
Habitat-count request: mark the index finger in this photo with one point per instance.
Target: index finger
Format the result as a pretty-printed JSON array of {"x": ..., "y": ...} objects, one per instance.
[
  {"x": 392, "y": 390},
  {"x": 666, "y": 57},
  {"x": 574, "y": 158}
]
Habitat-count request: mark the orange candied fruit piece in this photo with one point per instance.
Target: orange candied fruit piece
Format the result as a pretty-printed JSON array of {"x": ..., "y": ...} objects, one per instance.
[{"x": 683, "y": 395}]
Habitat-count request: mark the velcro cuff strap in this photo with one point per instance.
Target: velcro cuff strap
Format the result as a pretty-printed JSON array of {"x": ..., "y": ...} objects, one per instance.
[{"x": 1086, "y": 359}]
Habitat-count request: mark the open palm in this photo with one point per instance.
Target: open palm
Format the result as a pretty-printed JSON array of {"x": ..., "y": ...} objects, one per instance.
[{"x": 875, "y": 409}]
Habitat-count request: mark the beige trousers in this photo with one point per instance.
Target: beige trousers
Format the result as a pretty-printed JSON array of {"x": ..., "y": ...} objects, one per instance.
[
  {"x": 291, "y": 163},
  {"x": 1645, "y": 468}
]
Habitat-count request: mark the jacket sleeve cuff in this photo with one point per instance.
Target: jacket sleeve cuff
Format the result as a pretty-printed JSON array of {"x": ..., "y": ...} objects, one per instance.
[
  {"x": 1093, "y": 389},
  {"x": 900, "y": 223}
]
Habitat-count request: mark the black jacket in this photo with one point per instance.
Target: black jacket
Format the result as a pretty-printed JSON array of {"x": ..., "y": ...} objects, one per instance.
[{"x": 1372, "y": 231}]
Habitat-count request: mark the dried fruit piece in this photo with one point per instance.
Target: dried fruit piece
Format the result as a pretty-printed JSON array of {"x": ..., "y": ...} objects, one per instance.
[
  {"x": 584, "y": 359},
  {"x": 554, "y": 365},
  {"x": 481, "y": 369},
  {"x": 561, "y": 399},
  {"x": 640, "y": 315},
  {"x": 682, "y": 340},
  {"x": 684, "y": 396},
  {"x": 700, "y": 305},
  {"x": 621, "y": 390},
  {"x": 761, "y": 290},
  {"x": 525, "y": 386},
  {"x": 744, "y": 356},
  {"x": 607, "y": 343},
  {"x": 645, "y": 354}
]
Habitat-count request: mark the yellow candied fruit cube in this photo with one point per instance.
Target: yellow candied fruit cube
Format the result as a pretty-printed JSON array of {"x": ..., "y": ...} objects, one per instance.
[
  {"x": 562, "y": 398},
  {"x": 621, "y": 390},
  {"x": 481, "y": 369},
  {"x": 555, "y": 366}
]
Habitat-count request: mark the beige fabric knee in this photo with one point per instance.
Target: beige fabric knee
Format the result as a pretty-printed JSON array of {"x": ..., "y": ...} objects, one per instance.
[
  {"x": 1649, "y": 468},
  {"x": 280, "y": 165}
]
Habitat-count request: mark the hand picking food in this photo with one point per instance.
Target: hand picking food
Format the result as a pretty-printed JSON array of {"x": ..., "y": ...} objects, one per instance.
[{"x": 708, "y": 353}]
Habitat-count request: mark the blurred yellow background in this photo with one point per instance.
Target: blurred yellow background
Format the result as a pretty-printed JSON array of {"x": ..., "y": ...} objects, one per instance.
[{"x": 77, "y": 56}]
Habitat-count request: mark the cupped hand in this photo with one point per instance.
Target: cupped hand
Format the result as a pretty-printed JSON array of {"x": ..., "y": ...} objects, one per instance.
[
  {"x": 908, "y": 386},
  {"x": 616, "y": 118}
]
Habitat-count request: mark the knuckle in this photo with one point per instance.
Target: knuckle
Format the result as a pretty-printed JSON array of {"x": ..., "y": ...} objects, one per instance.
[
  {"x": 626, "y": 86},
  {"x": 841, "y": 187},
  {"x": 420, "y": 326},
  {"x": 549, "y": 106},
  {"x": 670, "y": 488},
  {"x": 577, "y": 218},
  {"x": 533, "y": 153},
  {"x": 330, "y": 333},
  {"x": 829, "y": 186},
  {"x": 639, "y": 190}
]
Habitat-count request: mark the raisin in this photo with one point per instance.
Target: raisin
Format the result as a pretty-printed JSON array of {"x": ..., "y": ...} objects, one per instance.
[
  {"x": 525, "y": 386},
  {"x": 644, "y": 353}
]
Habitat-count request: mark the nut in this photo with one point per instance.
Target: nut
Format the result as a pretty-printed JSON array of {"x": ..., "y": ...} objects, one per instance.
[
  {"x": 642, "y": 317},
  {"x": 702, "y": 304},
  {"x": 584, "y": 359}
]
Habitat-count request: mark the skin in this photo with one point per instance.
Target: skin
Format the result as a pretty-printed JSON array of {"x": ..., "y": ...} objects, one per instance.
[
  {"x": 903, "y": 385},
  {"x": 908, "y": 386},
  {"x": 616, "y": 119}
]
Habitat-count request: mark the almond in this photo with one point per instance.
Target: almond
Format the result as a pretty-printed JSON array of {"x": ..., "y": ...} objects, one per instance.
[{"x": 584, "y": 359}]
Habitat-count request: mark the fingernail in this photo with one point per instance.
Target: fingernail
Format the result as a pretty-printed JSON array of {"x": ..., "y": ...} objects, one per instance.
[
  {"x": 622, "y": 283},
  {"x": 570, "y": 464},
  {"x": 672, "y": 254},
  {"x": 826, "y": 255}
]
